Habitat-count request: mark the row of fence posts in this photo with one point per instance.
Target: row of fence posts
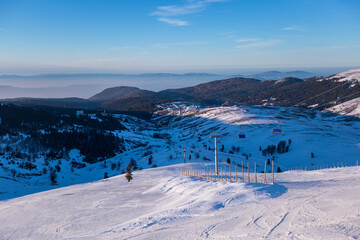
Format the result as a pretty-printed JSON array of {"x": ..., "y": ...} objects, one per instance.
[
  {"x": 207, "y": 173},
  {"x": 323, "y": 166}
]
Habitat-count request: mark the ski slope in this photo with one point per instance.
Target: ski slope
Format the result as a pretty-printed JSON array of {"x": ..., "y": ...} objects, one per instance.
[{"x": 160, "y": 204}]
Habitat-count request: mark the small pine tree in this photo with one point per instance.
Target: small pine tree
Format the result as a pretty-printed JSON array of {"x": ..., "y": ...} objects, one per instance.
[
  {"x": 228, "y": 160},
  {"x": 268, "y": 161},
  {"x": 279, "y": 170},
  {"x": 150, "y": 160},
  {"x": 312, "y": 155},
  {"x": 106, "y": 175},
  {"x": 128, "y": 174},
  {"x": 53, "y": 177}
]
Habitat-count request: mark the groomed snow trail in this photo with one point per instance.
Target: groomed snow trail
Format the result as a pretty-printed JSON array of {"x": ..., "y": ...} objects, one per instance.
[{"x": 159, "y": 204}]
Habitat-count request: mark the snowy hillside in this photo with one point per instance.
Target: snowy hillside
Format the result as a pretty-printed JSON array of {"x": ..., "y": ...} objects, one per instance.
[
  {"x": 351, "y": 107},
  {"x": 312, "y": 139},
  {"x": 351, "y": 75},
  {"x": 159, "y": 204}
]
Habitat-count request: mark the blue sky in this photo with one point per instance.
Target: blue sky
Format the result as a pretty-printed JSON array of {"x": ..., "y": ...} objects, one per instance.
[{"x": 131, "y": 36}]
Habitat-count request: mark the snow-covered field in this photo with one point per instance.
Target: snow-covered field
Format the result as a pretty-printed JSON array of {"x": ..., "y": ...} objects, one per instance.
[
  {"x": 160, "y": 204},
  {"x": 351, "y": 107},
  {"x": 333, "y": 140},
  {"x": 351, "y": 75}
]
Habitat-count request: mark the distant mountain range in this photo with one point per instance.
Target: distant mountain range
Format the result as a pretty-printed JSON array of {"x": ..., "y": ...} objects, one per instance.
[
  {"x": 270, "y": 75},
  {"x": 85, "y": 85},
  {"x": 97, "y": 75},
  {"x": 320, "y": 92},
  {"x": 275, "y": 75},
  {"x": 82, "y": 91}
]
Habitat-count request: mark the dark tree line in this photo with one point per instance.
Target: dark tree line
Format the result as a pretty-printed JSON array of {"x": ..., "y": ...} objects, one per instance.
[
  {"x": 93, "y": 144},
  {"x": 55, "y": 135},
  {"x": 282, "y": 147}
]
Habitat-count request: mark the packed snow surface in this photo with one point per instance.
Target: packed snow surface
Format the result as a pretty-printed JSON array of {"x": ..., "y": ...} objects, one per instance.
[
  {"x": 351, "y": 75},
  {"x": 160, "y": 204}
]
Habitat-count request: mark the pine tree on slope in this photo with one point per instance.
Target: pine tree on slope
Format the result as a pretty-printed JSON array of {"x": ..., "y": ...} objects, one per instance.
[{"x": 128, "y": 174}]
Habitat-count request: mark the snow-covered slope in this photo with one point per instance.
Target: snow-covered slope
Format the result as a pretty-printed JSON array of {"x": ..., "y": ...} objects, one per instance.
[
  {"x": 351, "y": 107},
  {"x": 160, "y": 204},
  {"x": 351, "y": 75},
  {"x": 332, "y": 139}
]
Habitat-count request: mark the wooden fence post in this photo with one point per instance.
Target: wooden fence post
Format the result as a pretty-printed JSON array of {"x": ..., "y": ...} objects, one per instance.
[
  {"x": 225, "y": 173},
  {"x": 255, "y": 174},
  {"x": 248, "y": 172},
  {"x": 273, "y": 172},
  {"x": 265, "y": 172},
  {"x": 242, "y": 166},
  {"x": 230, "y": 172},
  {"x": 236, "y": 173}
]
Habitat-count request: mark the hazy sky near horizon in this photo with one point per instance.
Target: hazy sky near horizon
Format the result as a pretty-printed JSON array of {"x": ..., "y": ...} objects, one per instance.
[{"x": 44, "y": 36}]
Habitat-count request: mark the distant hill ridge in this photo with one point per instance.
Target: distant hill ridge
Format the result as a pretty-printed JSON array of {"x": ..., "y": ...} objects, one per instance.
[
  {"x": 120, "y": 93},
  {"x": 289, "y": 91},
  {"x": 70, "y": 75},
  {"x": 277, "y": 75}
]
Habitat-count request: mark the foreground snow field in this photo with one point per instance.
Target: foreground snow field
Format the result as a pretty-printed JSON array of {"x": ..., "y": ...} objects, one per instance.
[{"x": 160, "y": 204}]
